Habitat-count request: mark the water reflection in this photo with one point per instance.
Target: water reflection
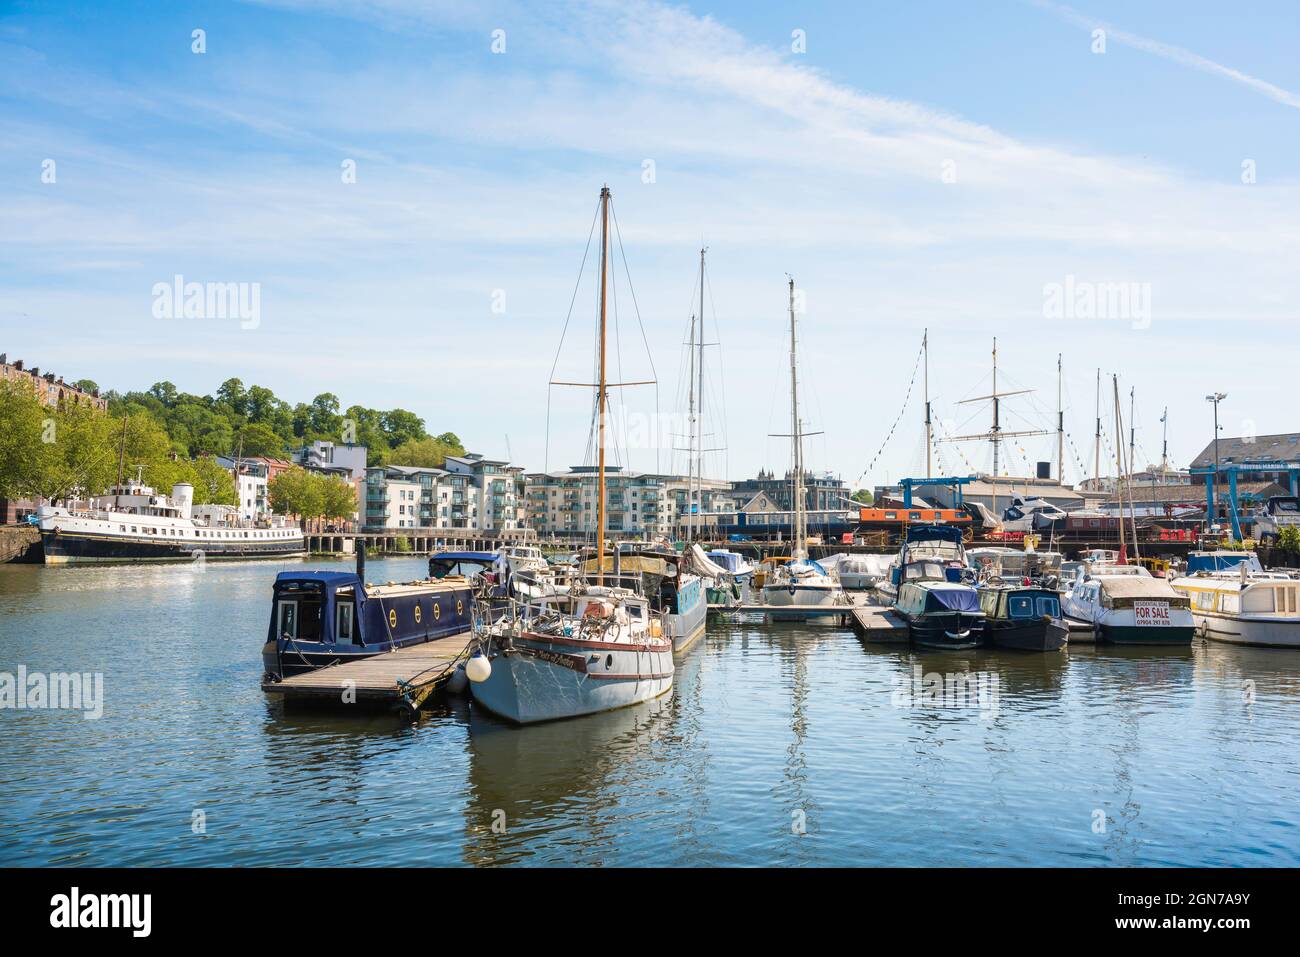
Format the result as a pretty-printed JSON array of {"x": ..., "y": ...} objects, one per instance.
[{"x": 1188, "y": 754}]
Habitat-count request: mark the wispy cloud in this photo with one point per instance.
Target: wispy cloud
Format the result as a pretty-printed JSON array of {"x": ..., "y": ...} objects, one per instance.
[{"x": 1174, "y": 53}]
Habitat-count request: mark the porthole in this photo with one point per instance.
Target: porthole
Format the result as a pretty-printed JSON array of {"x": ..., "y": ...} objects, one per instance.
[
  {"x": 609, "y": 662},
  {"x": 417, "y": 614}
]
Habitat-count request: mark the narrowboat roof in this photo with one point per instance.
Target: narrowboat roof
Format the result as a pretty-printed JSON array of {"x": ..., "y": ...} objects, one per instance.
[
  {"x": 336, "y": 579},
  {"x": 488, "y": 557},
  {"x": 932, "y": 533}
]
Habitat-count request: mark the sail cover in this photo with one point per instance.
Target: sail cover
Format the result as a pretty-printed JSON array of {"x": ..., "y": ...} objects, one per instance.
[{"x": 702, "y": 565}]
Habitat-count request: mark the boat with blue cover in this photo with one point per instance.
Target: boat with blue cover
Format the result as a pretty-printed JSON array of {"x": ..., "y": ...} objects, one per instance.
[
  {"x": 941, "y": 614},
  {"x": 321, "y": 618}
]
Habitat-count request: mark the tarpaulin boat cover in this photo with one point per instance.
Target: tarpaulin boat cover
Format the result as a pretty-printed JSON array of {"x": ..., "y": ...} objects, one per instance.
[
  {"x": 934, "y": 533},
  {"x": 957, "y": 599},
  {"x": 702, "y": 565}
]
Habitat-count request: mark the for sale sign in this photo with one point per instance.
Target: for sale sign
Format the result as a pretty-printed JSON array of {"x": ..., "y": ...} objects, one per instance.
[{"x": 1151, "y": 613}]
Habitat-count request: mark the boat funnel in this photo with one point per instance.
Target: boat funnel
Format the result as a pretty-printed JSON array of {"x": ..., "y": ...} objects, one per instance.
[{"x": 183, "y": 498}]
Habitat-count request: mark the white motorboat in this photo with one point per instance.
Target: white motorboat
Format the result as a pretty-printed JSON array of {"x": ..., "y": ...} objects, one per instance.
[
  {"x": 1248, "y": 606},
  {"x": 1129, "y": 608},
  {"x": 862, "y": 572}
]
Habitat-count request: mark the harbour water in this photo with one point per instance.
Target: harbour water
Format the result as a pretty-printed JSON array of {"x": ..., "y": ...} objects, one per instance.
[{"x": 779, "y": 744}]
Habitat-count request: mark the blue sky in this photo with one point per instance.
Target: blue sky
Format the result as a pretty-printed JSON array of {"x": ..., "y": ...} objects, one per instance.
[{"x": 919, "y": 165}]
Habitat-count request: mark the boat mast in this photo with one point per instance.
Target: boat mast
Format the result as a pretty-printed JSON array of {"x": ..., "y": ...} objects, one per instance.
[
  {"x": 925, "y": 349},
  {"x": 601, "y": 390},
  {"x": 800, "y": 535},
  {"x": 121, "y": 462},
  {"x": 1119, "y": 466},
  {"x": 997, "y": 426},
  {"x": 1096, "y": 469},
  {"x": 1164, "y": 451},
  {"x": 699, "y": 371},
  {"x": 1132, "y": 431},
  {"x": 690, "y": 442},
  {"x": 1060, "y": 427}
]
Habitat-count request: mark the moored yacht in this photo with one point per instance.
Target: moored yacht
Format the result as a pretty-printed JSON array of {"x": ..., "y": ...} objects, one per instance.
[
  {"x": 592, "y": 645},
  {"x": 1246, "y": 607},
  {"x": 800, "y": 581}
]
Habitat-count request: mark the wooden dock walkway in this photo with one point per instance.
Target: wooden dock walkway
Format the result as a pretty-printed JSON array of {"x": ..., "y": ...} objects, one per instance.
[
  {"x": 878, "y": 623},
  {"x": 404, "y": 678}
]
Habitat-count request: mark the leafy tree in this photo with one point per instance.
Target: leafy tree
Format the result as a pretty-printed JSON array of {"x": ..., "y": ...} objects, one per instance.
[
  {"x": 258, "y": 439},
  {"x": 87, "y": 385},
  {"x": 338, "y": 498},
  {"x": 293, "y": 492},
  {"x": 213, "y": 484},
  {"x": 400, "y": 426},
  {"x": 1288, "y": 539},
  {"x": 862, "y": 495},
  {"x": 164, "y": 392},
  {"x": 21, "y": 430},
  {"x": 427, "y": 453}
]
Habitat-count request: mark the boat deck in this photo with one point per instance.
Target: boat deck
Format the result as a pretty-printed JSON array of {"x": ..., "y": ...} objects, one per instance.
[{"x": 404, "y": 678}]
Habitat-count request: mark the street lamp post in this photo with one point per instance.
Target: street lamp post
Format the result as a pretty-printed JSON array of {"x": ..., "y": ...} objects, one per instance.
[{"x": 1216, "y": 398}]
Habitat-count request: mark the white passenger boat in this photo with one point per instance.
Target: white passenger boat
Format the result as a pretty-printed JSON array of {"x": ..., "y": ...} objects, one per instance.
[
  {"x": 1248, "y": 606},
  {"x": 133, "y": 523}
]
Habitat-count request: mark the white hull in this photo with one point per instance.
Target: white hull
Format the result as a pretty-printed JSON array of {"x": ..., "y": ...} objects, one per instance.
[
  {"x": 687, "y": 628},
  {"x": 858, "y": 581},
  {"x": 779, "y": 596},
  {"x": 1236, "y": 630},
  {"x": 546, "y": 680}
]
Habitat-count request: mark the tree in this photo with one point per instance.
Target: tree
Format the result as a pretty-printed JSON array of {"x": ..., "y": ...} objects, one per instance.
[
  {"x": 258, "y": 439},
  {"x": 338, "y": 498},
  {"x": 862, "y": 495},
  {"x": 429, "y": 453},
  {"x": 400, "y": 426},
  {"x": 87, "y": 385},
  {"x": 293, "y": 492},
  {"x": 1288, "y": 539},
  {"x": 21, "y": 427},
  {"x": 213, "y": 484}
]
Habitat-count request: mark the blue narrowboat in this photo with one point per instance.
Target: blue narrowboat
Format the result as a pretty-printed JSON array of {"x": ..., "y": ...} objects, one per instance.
[{"x": 320, "y": 618}]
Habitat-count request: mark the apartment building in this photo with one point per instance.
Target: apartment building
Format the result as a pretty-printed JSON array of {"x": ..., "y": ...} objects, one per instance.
[{"x": 641, "y": 505}]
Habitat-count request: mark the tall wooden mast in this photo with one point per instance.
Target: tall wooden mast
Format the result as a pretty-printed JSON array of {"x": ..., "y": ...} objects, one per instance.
[
  {"x": 602, "y": 389},
  {"x": 800, "y": 532}
]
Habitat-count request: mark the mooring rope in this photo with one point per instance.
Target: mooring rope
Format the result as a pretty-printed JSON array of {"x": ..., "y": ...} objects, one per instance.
[{"x": 906, "y": 400}]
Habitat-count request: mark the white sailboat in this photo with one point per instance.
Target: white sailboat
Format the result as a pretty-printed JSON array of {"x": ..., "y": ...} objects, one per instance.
[
  {"x": 596, "y": 646},
  {"x": 799, "y": 583}
]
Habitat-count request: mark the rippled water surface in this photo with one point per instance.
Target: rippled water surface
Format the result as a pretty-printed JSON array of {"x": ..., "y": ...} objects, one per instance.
[{"x": 1086, "y": 757}]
